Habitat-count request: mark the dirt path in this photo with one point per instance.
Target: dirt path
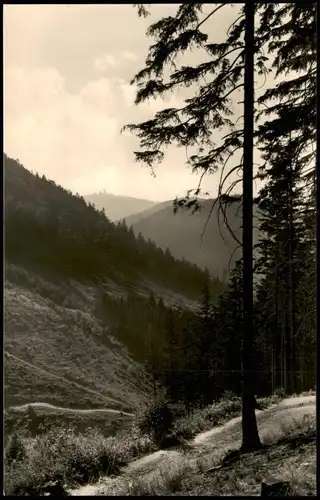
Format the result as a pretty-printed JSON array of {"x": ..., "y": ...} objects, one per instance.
[
  {"x": 58, "y": 409},
  {"x": 285, "y": 404},
  {"x": 269, "y": 421},
  {"x": 75, "y": 384}
]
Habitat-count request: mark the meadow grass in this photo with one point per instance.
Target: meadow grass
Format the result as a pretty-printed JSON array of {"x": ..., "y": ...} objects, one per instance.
[{"x": 71, "y": 457}]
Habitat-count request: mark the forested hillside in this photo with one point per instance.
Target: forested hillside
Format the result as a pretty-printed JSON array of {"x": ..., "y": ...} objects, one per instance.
[
  {"x": 77, "y": 297},
  {"x": 145, "y": 298},
  {"x": 201, "y": 237},
  {"x": 55, "y": 233}
]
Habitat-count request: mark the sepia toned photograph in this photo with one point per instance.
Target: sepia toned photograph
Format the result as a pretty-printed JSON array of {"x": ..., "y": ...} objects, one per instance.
[{"x": 160, "y": 249}]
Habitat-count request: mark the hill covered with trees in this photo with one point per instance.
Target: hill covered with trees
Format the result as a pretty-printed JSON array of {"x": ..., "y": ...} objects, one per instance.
[
  {"x": 56, "y": 233},
  {"x": 77, "y": 292},
  {"x": 201, "y": 237}
]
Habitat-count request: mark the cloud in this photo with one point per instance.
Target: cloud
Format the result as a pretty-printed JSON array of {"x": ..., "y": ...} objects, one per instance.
[
  {"x": 54, "y": 131},
  {"x": 103, "y": 63},
  {"x": 129, "y": 56},
  {"x": 75, "y": 139},
  {"x": 67, "y": 96}
]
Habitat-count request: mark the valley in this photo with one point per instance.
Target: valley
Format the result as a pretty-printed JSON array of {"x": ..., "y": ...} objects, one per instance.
[{"x": 62, "y": 339}]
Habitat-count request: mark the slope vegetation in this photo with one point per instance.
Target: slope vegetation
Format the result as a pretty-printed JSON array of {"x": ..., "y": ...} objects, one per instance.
[
  {"x": 50, "y": 231},
  {"x": 61, "y": 355}
]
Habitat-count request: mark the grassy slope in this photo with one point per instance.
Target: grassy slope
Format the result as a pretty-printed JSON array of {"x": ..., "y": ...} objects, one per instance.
[
  {"x": 286, "y": 428},
  {"x": 291, "y": 457},
  {"x": 283, "y": 460},
  {"x": 57, "y": 351},
  {"x": 63, "y": 357}
]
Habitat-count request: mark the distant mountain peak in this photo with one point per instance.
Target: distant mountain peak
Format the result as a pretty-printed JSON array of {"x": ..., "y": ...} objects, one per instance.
[{"x": 118, "y": 207}]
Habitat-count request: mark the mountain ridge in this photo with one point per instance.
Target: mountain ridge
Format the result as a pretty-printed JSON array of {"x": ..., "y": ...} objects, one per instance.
[
  {"x": 195, "y": 237},
  {"x": 118, "y": 207}
]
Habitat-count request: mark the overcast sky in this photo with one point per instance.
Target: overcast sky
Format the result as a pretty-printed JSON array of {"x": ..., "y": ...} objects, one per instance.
[{"x": 67, "y": 95}]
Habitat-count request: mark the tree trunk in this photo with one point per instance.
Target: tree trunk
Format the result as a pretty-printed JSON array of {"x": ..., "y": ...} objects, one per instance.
[
  {"x": 272, "y": 368},
  {"x": 250, "y": 435},
  {"x": 286, "y": 350},
  {"x": 292, "y": 274},
  {"x": 317, "y": 169},
  {"x": 154, "y": 386},
  {"x": 277, "y": 345},
  {"x": 283, "y": 348}
]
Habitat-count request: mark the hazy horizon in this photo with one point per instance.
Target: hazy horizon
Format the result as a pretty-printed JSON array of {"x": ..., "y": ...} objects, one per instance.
[{"x": 67, "y": 96}]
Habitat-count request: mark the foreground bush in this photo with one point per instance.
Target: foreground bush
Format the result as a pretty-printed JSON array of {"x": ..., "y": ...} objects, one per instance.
[
  {"x": 72, "y": 458},
  {"x": 280, "y": 392},
  {"x": 15, "y": 450},
  {"x": 156, "y": 419}
]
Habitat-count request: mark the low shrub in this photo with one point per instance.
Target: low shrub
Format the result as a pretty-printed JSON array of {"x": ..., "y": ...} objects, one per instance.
[
  {"x": 70, "y": 457},
  {"x": 280, "y": 392},
  {"x": 15, "y": 450},
  {"x": 182, "y": 429},
  {"x": 229, "y": 406},
  {"x": 156, "y": 419},
  {"x": 229, "y": 396},
  {"x": 61, "y": 454},
  {"x": 133, "y": 445},
  {"x": 201, "y": 420}
]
